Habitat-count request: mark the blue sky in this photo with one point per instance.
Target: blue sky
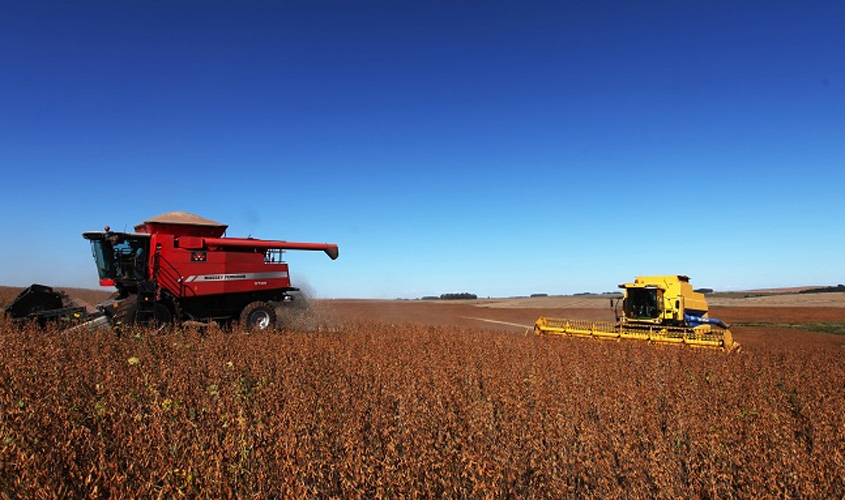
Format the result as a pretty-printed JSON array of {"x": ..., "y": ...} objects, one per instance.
[{"x": 495, "y": 147}]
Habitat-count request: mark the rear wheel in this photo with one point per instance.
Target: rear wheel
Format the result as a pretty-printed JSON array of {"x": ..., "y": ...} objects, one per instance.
[{"x": 258, "y": 316}]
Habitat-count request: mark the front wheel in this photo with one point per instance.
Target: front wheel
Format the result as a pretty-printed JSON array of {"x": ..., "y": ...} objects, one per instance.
[
  {"x": 258, "y": 316},
  {"x": 162, "y": 315}
]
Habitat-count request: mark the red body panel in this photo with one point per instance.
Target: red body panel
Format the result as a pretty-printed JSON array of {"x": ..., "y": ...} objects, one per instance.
[{"x": 189, "y": 265}]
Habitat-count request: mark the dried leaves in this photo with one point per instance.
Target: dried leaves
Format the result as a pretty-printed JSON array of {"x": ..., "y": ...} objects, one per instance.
[{"x": 384, "y": 411}]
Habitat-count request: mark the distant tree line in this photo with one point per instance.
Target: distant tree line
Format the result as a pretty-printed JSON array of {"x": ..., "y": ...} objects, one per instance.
[
  {"x": 703, "y": 290},
  {"x": 451, "y": 296},
  {"x": 458, "y": 296},
  {"x": 827, "y": 289}
]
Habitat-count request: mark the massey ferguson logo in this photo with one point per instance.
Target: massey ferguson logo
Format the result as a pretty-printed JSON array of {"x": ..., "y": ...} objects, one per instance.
[
  {"x": 235, "y": 277},
  {"x": 221, "y": 277}
]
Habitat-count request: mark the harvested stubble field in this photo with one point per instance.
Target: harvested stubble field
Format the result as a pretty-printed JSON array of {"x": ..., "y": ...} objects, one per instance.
[{"x": 388, "y": 409}]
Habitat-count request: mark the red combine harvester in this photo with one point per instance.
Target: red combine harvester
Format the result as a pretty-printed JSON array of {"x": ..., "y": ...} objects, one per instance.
[{"x": 178, "y": 267}]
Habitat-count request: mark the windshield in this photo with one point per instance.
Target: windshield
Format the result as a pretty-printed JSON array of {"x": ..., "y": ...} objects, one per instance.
[
  {"x": 120, "y": 257},
  {"x": 642, "y": 303}
]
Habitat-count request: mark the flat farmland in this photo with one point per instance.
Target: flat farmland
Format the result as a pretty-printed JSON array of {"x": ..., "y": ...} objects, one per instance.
[
  {"x": 756, "y": 324},
  {"x": 418, "y": 399}
]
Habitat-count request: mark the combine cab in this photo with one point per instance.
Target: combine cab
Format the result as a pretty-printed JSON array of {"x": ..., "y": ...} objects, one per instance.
[{"x": 662, "y": 309}]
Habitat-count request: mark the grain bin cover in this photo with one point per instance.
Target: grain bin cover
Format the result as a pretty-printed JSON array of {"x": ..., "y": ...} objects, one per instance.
[{"x": 182, "y": 224}]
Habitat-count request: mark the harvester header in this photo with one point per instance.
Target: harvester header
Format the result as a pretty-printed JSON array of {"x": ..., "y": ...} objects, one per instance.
[{"x": 660, "y": 309}]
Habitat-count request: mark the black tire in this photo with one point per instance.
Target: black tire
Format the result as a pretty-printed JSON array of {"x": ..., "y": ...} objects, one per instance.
[
  {"x": 258, "y": 316},
  {"x": 162, "y": 314}
]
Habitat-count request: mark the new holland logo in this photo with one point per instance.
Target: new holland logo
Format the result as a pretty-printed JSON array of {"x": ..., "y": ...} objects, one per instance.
[{"x": 235, "y": 277}]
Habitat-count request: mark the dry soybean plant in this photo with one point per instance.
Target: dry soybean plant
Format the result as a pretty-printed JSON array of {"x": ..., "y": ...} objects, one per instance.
[{"x": 374, "y": 410}]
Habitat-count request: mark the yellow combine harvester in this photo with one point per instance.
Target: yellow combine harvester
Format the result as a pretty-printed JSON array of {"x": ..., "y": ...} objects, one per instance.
[{"x": 662, "y": 309}]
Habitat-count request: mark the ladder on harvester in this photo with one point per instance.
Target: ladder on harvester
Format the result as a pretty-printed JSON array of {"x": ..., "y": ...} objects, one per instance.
[{"x": 146, "y": 304}]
